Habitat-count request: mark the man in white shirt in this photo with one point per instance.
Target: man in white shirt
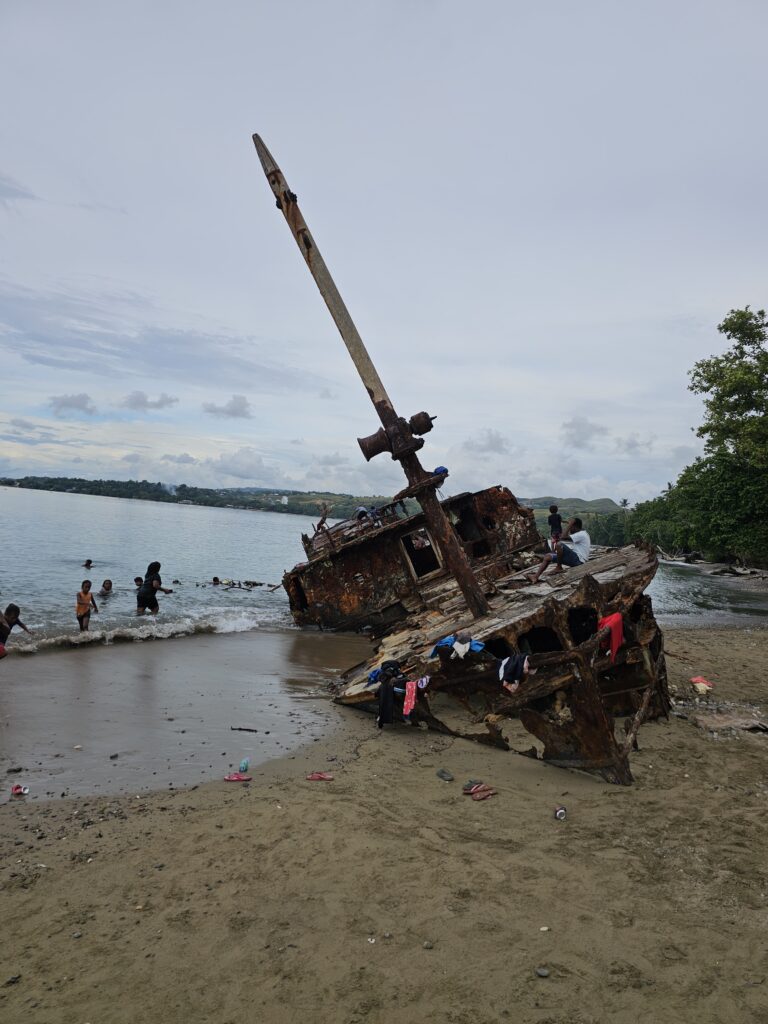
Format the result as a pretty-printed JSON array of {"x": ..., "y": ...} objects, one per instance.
[{"x": 572, "y": 554}]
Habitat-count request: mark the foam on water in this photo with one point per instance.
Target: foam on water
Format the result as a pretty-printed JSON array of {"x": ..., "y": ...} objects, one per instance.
[
  {"x": 43, "y": 570},
  {"x": 150, "y": 629}
]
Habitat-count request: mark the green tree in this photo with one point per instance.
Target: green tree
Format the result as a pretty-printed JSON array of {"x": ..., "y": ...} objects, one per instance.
[
  {"x": 736, "y": 388},
  {"x": 719, "y": 504}
]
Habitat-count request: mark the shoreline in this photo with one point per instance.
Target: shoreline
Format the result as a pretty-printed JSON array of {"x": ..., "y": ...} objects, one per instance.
[
  {"x": 208, "y": 903},
  {"x": 149, "y": 715}
]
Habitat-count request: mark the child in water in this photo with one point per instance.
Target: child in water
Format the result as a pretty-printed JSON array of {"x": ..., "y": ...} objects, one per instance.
[
  {"x": 106, "y": 589},
  {"x": 146, "y": 595},
  {"x": 83, "y": 604},
  {"x": 8, "y": 620}
]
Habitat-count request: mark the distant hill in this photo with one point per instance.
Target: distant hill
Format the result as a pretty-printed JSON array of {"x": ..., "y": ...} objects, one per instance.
[
  {"x": 267, "y": 499},
  {"x": 568, "y": 507},
  {"x": 573, "y": 506}
]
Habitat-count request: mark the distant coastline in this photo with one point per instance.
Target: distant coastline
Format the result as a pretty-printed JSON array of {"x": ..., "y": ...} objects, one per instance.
[
  {"x": 263, "y": 499},
  {"x": 255, "y": 499}
]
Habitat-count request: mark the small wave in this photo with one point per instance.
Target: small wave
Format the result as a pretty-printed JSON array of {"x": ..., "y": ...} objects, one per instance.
[{"x": 152, "y": 629}]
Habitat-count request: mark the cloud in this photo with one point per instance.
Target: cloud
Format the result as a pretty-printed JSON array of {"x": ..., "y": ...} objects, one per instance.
[
  {"x": 632, "y": 445},
  {"x": 487, "y": 440},
  {"x": 238, "y": 407},
  {"x": 246, "y": 464},
  {"x": 685, "y": 453},
  {"x": 140, "y": 401},
  {"x": 11, "y": 192},
  {"x": 332, "y": 460},
  {"x": 131, "y": 457},
  {"x": 185, "y": 459},
  {"x": 22, "y": 424},
  {"x": 118, "y": 334},
  {"x": 580, "y": 431},
  {"x": 327, "y": 395},
  {"x": 62, "y": 405}
]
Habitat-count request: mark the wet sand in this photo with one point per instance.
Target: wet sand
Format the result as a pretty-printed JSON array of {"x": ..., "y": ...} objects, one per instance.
[
  {"x": 165, "y": 708},
  {"x": 386, "y": 895}
]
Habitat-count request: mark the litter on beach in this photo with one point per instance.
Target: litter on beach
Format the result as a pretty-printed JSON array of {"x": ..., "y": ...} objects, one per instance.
[
  {"x": 237, "y": 777},
  {"x": 701, "y": 685},
  {"x": 320, "y": 777}
]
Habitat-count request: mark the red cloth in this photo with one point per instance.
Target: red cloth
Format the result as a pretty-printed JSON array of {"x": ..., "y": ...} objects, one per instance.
[
  {"x": 410, "y": 696},
  {"x": 615, "y": 624}
]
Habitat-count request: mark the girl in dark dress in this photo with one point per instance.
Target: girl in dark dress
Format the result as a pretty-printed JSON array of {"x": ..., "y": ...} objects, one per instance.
[{"x": 146, "y": 595}]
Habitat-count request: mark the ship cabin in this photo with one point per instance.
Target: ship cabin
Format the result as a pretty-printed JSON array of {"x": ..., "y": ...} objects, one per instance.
[{"x": 373, "y": 571}]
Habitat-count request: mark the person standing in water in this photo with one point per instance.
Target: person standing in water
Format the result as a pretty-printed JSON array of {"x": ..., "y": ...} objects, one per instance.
[
  {"x": 146, "y": 595},
  {"x": 8, "y": 620},
  {"x": 83, "y": 604}
]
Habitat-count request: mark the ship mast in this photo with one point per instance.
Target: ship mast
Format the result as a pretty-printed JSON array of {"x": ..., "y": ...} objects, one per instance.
[{"x": 397, "y": 436}]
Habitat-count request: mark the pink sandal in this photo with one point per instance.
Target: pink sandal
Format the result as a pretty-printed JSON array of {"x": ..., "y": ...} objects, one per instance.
[
  {"x": 237, "y": 777},
  {"x": 320, "y": 777}
]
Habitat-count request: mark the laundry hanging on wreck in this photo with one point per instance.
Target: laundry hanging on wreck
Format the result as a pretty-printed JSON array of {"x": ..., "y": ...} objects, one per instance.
[
  {"x": 410, "y": 697},
  {"x": 460, "y": 650},
  {"x": 387, "y": 668},
  {"x": 616, "y": 625},
  {"x": 513, "y": 668}
]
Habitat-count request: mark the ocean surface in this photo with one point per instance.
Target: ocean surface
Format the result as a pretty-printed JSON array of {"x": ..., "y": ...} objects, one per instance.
[{"x": 45, "y": 537}]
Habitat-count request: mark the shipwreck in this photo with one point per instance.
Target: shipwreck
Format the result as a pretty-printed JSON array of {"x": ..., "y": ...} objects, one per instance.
[{"x": 445, "y": 593}]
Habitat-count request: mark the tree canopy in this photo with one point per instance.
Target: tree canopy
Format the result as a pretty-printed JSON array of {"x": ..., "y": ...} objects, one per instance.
[
  {"x": 736, "y": 388},
  {"x": 719, "y": 504}
]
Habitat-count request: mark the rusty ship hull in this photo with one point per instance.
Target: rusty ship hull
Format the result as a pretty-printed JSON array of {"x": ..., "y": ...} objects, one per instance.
[
  {"x": 572, "y": 704},
  {"x": 458, "y": 565}
]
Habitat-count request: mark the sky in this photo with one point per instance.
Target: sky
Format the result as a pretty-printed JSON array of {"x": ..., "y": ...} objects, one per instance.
[{"x": 537, "y": 214}]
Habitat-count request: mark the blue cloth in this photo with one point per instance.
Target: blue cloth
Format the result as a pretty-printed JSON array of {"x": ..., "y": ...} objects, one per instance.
[
  {"x": 373, "y": 676},
  {"x": 475, "y": 646},
  {"x": 440, "y": 471}
]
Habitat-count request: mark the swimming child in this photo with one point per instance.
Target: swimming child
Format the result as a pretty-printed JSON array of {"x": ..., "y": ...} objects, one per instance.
[
  {"x": 146, "y": 595},
  {"x": 87, "y": 563},
  {"x": 8, "y": 620},
  {"x": 83, "y": 604},
  {"x": 138, "y": 582},
  {"x": 106, "y": 589}
]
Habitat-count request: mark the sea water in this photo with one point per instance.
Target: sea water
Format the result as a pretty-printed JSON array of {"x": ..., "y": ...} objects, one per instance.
[{"x": 45, "y": 537}]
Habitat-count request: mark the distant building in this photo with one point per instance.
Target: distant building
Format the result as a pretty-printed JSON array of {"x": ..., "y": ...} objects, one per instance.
[{"x": 284, "y": 500}]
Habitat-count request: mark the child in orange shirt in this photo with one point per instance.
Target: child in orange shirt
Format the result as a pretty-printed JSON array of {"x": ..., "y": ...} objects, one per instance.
[{"x": 83, "y": 604}]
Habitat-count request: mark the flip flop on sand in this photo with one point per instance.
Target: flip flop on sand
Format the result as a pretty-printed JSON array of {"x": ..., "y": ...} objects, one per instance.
[
  {"x": 320, "y": 777},
  {"x": 237, "y": 777},
  {"x": 471, "y": 785},
  {"x": 483, "y": 793},
  {"x": 444, "y": 774}
]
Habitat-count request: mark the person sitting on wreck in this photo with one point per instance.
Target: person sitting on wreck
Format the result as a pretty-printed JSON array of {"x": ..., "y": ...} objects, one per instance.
[
  {"x": 573, "y": 554},
  {"x": 514, "y": 670}
]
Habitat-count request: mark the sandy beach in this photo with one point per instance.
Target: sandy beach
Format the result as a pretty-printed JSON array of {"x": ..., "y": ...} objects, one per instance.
[{"x": 387, "y": 895}]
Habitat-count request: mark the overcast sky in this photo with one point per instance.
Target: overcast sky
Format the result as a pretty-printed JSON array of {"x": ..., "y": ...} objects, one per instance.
[{"x": 537, "y": 214}]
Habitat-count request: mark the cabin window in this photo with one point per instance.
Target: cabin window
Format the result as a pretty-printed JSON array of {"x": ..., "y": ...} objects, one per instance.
[
  {"x": 539, "y": 640},
  {"x": 582, "y": 622},
  {"x": 421, "y": 553}
]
